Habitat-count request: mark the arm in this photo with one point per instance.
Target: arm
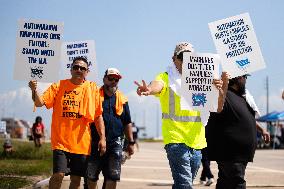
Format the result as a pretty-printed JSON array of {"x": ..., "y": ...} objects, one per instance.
[
  {"x": 222, "y": 86},
  {"x": 153, "y": 88},
  {"x": 100, "y": 127},
  {"x": 35, "y": 96},
  {"x": 43, "y": 131},
  {"x": 129, "y": 135},
  {"x": 264, "y": 133}
]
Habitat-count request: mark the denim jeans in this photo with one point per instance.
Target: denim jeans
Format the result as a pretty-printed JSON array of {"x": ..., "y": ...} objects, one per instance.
[
  {"x": 184, "y": 162},
  {"x": 109, "y": 164}
]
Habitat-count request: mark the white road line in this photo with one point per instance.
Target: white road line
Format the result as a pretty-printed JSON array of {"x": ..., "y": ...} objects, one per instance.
[
  {"x": 263, "y": 169},
  {"x": 148, "y": 160},
  {"x": 145, "y": 167},
  {"x": 153, "y": 151},
  {"x": 147, "y": 180},
  {"x": 250, "y": 168},
  {"x": 274, "y": 157}
]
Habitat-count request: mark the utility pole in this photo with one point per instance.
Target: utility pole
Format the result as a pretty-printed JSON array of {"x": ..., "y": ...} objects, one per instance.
[
  {"x": 157, "y": 120},
  {"x": 144, "y": 118},
  {"x": 267, "y": 95},
  {"x": 144, "y": 123}
]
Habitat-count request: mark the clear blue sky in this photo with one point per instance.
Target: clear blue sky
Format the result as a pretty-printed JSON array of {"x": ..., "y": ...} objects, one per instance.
[{"x": 138, "y": 38}]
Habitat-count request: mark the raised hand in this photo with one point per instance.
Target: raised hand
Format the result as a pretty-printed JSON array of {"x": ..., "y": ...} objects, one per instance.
[
  {"x": 142, "y": 89},
  {"x": 33, "y": 85},
  {"x": 222, "y": 84}
]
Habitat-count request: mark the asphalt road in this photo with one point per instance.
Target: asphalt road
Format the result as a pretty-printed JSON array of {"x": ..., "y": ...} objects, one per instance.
[{"x": 148, "y": 169}]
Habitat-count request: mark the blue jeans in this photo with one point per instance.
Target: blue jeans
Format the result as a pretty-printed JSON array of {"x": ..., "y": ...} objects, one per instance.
[{"x": 184, "y": 162}]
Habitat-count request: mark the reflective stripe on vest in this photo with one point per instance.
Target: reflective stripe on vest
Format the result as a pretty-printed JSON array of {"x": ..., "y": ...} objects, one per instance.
[{"x": 172, "y": 114}]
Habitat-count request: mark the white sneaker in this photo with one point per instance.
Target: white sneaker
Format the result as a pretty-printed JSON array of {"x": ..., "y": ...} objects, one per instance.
[
  {"x": 202, "y": 182},
  {"x": 209, "y": 182}
]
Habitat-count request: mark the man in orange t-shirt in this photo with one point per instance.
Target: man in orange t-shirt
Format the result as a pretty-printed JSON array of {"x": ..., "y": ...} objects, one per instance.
[{"x": 76, "y": 102}]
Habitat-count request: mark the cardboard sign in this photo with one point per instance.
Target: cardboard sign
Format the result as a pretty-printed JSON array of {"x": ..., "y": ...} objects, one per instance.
[
  {"x": 198, "y": 72},
  {"x": 237, "y": 45},
  {"x": 71, "y": 50},
  {"x": 38, "y": 50}
]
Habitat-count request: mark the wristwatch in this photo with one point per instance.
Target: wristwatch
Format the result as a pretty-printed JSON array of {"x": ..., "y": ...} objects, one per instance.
[{"x": 131, "y": 142}]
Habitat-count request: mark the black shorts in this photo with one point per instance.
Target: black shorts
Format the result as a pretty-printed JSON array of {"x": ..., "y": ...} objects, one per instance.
[
  {"x": 109, "y": 163},
  {"x": 69, "y": 163}
]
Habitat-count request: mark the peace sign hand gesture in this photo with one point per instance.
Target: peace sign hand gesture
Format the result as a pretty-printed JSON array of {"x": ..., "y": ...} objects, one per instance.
[{"x": 142, "y": 89}]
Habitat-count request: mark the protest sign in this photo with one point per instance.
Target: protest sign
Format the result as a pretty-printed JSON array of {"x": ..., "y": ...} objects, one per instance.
[
  {"x": 38, "y": 50},
  {"x": 237, "y": 45},
  {"x": 71, "y": 50},
  {"x": 198, "y": 72}
]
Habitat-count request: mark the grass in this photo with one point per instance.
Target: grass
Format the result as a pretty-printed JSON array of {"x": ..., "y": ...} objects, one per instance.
[
  {"x": 13, "y": 182},
  {"x": 151, "y": 140},
  {"x": 24, "y": 161}
]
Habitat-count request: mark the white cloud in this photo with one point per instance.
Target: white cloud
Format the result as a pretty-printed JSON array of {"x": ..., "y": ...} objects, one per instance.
[
  {"x": 276, "y": 103},
  {"x": 18, "y": 103}
]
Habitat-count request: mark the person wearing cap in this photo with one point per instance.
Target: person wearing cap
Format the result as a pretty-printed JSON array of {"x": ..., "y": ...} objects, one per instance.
[
  {"x": 76, "y": 103},
  {"x": 116, "y": 115},
  {"x": 182, "y": 130},
  {"x": 231, "y": 135},
  {"x": 7, "y": 147}
]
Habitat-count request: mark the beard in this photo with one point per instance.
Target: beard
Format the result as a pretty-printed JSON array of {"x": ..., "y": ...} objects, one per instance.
[
  {"x": 111, "y": 89},
  {"x": 241, "y": 87}
]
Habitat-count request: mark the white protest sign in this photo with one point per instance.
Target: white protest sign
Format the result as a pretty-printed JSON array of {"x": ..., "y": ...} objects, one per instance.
[
  {"x": 198, "y": 72},
  {"x": 237, "y": 45},
  {"x": 71, "y": 50},
  {"x": 38, "y": 50},
  {"x": 2, "y": 126}
]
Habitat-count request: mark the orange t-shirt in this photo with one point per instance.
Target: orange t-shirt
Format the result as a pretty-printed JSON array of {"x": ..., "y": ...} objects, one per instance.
[{"x": 74, "y": 107}]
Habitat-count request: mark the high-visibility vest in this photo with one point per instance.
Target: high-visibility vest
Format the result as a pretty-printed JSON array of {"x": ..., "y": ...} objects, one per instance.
[
  {"x": 179, "y": 126},
  {"x": 120, "y": 100}
]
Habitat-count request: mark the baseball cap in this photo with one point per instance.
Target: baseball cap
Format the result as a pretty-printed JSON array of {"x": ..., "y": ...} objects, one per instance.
[
  {"x": 113, "y": 71},
  {"x": 183, "y": 46}
]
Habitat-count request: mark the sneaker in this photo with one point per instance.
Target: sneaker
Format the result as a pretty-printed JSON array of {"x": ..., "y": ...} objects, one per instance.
[
  {"x": 202, "y": 182},
  {"x": 209, "y": 182}
]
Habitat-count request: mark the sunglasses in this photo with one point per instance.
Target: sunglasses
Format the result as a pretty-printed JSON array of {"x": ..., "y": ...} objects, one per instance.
[
  {"x": 113, "y": 79},
  {"x": 77, "y": 67}
]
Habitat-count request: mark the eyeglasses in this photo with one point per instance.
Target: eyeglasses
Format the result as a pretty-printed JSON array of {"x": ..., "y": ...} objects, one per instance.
[
  {"x": 77, "y": 67},
  {"x": 113, "y": 79}
]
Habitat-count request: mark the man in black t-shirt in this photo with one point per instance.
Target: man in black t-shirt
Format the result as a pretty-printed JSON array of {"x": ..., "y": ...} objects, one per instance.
[{"x": 231, "y": 136}]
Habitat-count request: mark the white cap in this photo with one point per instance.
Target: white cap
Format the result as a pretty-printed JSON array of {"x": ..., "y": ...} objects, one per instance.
[
  {"x": 183, "y": 46},
  {"x": 113, "y": 71}
]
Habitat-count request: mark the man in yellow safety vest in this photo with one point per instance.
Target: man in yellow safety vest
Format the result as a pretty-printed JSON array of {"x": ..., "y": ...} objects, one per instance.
[{"x": 182, "y": 130}]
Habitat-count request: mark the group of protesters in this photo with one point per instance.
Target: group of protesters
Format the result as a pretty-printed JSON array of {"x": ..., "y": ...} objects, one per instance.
[{"x": 89, "y": 124}]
